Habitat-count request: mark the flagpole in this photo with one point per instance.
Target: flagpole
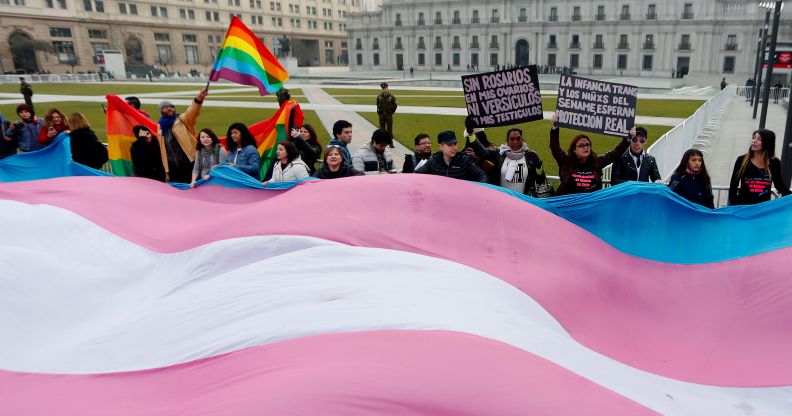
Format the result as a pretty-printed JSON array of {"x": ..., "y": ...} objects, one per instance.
[{"x": 221, "y": 47}]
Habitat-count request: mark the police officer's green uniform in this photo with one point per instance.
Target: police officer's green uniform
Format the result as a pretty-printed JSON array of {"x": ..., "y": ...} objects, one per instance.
[{"x": 386, "y": 106}]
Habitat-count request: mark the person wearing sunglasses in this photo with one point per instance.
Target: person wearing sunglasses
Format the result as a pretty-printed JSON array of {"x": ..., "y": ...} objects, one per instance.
[
  {"x": 579, "y": 167},
  {"x": 635, "y": 164}
]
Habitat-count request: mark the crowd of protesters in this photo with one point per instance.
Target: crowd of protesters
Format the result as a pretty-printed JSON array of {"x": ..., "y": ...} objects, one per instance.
[{"x": 175, "y": 153}]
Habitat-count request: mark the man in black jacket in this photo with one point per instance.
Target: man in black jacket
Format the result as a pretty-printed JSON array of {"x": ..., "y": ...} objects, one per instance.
[
  {"x": 635, "y": 164},
  {"x": 423, "y": 151},
  {"x": 451, "y": 163}
]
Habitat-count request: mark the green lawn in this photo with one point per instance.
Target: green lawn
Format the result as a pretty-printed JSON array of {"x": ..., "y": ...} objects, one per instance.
[
  {"x": 645, "y": 107},
  {"x": 215, "y": 118},
  {"x": 395, "y": 90},
  {"x": 537, "y": 134},
  {"x": 295, "y": 93},
  {"x": 104, "y": 89}
]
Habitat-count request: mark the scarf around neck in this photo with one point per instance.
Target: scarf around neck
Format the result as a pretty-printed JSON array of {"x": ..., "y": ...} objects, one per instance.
[
  {"x": 512, "y": 156},
  {"x": 166, "y": 124}
]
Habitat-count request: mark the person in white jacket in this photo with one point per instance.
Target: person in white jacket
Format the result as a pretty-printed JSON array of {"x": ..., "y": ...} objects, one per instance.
[
  {"x": 374, "y": 157},
  {"x": 289, "y": 166}
]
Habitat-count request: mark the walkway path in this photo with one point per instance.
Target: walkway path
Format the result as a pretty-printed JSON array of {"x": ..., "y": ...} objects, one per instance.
[
  {"x": 732, "y": 137},
  {"x": 328, "y": 105},
  {"x": 362, "y": 129}
]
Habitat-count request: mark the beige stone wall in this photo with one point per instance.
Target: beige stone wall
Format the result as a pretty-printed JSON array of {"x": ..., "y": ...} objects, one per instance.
[{"x": 35, "y": 18}]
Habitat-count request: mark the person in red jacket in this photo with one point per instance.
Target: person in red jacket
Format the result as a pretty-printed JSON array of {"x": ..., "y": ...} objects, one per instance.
[{"x": 54, "y": 124}]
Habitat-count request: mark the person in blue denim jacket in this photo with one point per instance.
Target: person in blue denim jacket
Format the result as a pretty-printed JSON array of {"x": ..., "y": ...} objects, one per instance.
[
  {"x": 26, "y": 130},
  {"x": 242, "y": 151}
]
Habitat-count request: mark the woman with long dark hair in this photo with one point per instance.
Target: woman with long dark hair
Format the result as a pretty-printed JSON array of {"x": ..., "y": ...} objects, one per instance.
[
  {"x": 304, "y": 139},
  {"x": 580, "y": 168},
  {"x": 757, "y": 171},
  {"x": 288, "y": 166},
  {"x": 691, "y": 181},
  {"x": 242, "y": 151}
]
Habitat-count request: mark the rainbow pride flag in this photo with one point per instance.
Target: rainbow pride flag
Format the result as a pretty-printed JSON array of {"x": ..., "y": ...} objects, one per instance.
[
  {"x": 244, "y": 59},
  {"x": 121, "y": 118},
  {"x": 268, "y": 133}
]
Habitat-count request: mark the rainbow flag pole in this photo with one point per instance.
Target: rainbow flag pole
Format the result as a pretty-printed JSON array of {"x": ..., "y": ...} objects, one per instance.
[{"x": 244, "y": 59}]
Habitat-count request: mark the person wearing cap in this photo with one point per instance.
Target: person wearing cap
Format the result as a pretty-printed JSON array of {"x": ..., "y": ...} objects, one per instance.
[
  {"x": 451, "y": 163},
  {"x": 177, "y": 138},
  {"x": 386, "y": 106},
  {"x": 635, "y": 164},
  {"x": 27, "y": 91},
  {"x": 145, "y": 151},
  {"x": 26, "y": 130},
  {"x": 374, "y": 157}
]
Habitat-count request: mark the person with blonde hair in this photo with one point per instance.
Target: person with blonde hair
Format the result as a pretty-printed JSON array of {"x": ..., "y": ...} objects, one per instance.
[
  {"x": 757, "y": 171},
  {"x": 85, "y": 146}
]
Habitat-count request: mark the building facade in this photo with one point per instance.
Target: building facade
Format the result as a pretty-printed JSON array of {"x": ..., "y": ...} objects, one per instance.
[
  {"x": 601, "y": 37},
  {"x": 170, "y": 35}
]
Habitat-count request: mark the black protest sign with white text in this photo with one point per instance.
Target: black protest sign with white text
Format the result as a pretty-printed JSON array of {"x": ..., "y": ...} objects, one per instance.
[
  {"x": 503, "y": 98},
  {"x": 596, "y": 106}
]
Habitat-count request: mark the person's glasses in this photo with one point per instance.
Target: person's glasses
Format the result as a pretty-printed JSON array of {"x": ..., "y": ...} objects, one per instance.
[
  {"x": 636, "y": 139},
  {"x": 583, "y": 145},
  {"x": 333, "y": 145}
]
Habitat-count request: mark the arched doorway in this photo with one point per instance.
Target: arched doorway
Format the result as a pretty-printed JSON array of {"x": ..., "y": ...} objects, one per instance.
[
  {"x": 134, "y": 51},
  {"x": 23, "y": 50},
  {"x": 521, "y": 53}
]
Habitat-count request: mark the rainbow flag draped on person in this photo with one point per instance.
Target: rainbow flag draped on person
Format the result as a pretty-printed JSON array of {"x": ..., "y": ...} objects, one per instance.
[
  {"x": 268, "y": 133},
  {"x": 244, "y": 59},
  {"x": 121, "y": 118},
  {"x": 275, "y": 131}
]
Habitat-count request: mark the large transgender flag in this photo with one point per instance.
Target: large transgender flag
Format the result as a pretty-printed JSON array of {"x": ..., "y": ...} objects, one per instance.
[{"x": 390, "y": 295}]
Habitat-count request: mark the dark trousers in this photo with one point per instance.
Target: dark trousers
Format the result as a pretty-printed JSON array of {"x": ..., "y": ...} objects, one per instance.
[
  {"x": 29, "y": 100},
  {"x": 180, "y": 174},
  {"x": 386, "y": 123}
]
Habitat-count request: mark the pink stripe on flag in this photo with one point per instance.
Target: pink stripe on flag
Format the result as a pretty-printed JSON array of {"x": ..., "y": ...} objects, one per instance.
[
  {"x": 384, "y": 373},
  {"x": 723, "y": 324}
]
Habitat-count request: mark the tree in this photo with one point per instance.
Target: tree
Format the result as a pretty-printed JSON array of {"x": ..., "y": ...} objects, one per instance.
[
  {"x": 20, "y": 45},
  {"x": 24, "y": 50}
]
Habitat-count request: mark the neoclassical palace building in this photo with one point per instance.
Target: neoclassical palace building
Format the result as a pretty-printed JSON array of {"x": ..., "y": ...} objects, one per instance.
[
  {"x": 600, "y": 37},
  {"x": 176, "y": 35}
]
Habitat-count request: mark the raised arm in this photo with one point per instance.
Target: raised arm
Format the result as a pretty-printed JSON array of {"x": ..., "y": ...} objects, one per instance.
[{"x": 778, "y": 181}]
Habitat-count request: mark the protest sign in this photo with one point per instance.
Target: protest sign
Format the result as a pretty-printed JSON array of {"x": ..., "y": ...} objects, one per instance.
[
  {"x": 503, "y": 98},
  {"x": 596, "y": 106}
]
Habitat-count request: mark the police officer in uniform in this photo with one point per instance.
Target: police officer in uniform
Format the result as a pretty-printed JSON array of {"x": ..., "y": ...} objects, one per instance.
[{"x": 386, "y": 106}]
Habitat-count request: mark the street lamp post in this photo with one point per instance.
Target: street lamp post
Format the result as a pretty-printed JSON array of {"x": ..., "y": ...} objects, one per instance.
[
  {"x": 770, "y": 59},
  {"x": 759, "y": 60},
  {"x": 786, "y": 150}
]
